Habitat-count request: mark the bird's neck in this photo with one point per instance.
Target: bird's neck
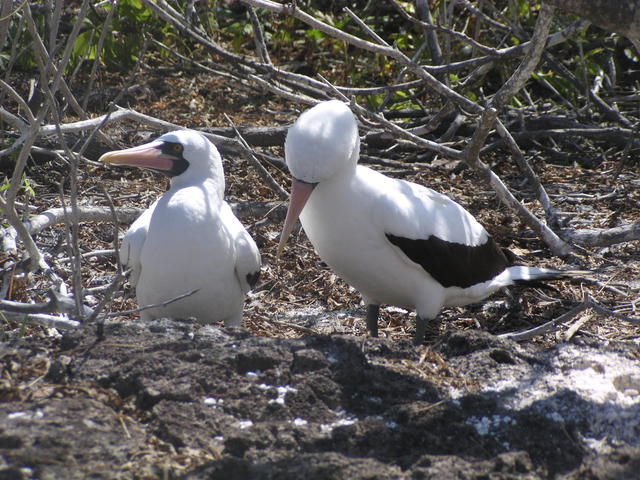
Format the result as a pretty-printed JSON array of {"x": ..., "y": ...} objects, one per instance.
[
  {"x": 345, "y": 173},
  {"x": 214, "y": 185}
]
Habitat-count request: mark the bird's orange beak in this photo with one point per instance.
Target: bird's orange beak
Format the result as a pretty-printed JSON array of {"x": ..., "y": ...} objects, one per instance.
[
  {"x": 148, "y": 155},
  {"x": 300, "y": 193}
]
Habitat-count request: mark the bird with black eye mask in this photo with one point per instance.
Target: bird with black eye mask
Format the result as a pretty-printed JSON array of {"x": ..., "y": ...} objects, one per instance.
[{"x": 189, "y": 239}]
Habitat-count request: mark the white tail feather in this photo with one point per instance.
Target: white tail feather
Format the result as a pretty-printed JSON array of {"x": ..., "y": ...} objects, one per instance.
[{"x": 520, "y": 274}]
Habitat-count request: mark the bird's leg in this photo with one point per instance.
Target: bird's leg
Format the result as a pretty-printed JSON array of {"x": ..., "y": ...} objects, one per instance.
[
  {"x": 234, "y": 320},
  {"x": 372, "y": 319},
  {"x": 421, "y": 330}
]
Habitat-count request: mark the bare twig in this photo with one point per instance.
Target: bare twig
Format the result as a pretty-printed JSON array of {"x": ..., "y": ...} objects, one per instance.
[
  {"x": 106, "y": 30},
  {"x": 120, "y": 115},
  {"x": 30, "y": 135},
  {"x": 258, "y": 36},
  {"x": 612, "y": 113},
  {"x": 558, "y": 246},
  {"x": 536, "y": 46},
  {"x": 617, "y": 135},
  {"x": 92, "y": 213},
  {"x": 57, "y": 303},
  {"x": 366, "y": 28},
  {"x": 471, "y": 153},
  {"x": 46, "y": 62},
  {"x": 71, "y": 230},
  {"x": 532, "y": 178},
  {"x": 40, "y": 319},
  {"x": 604, "y": 237},
  {"x": 573, "y": 329},
  {"x": 293, "y": 326},
  {"x": 423, "y": 72},
  {"x": 24, "y": 107},
  {"x": 5, "y": 16},
  {"x": 385, "y": 50},
  {"x": 423, "y": 11},
  {"x": 109, "y": 252},
  {"x": 8, "y": 198},
  {"x": 119, "y": 276},
  {"x": 553, "y": 325},
  {"x": 263, "y": 172},
  {"x": 510, "y": 88},
  {"x": 289, "y": 94},
  {"x": 147, "y": 307}
]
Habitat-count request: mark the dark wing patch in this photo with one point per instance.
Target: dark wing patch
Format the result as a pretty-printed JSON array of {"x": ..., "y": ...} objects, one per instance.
[
  {"x": 454, "y": 264},
  {"x": 252, "y": 278}
]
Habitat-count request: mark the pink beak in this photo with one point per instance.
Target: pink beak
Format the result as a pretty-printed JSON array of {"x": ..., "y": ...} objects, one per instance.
[
  {"x": 148, "y": 155},
  {"x": 300, "y": 193}
]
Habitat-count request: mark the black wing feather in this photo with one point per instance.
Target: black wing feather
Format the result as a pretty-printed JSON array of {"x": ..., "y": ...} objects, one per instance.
[
  {"x": 454, "y": 264},
  {"x": 252, "y": 278}
]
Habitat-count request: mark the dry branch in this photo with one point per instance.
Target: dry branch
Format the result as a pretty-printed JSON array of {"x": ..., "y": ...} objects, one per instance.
[
  {"x": 621, "y": 136},
  {"x": 611, "y": 15},
  {"x": 537, "y": 44},
  {"x": 92, "y": 213},
  {"x": 147, "y": 307},
  {"x": 41, "y": 319},
  {"x": 119, "y": 276},
  {"x": 604, "y": 237},
  {"x": 555, "y": 324},
  {"x": 57, "y": 303},
  {"x": 253, "y": 161}
]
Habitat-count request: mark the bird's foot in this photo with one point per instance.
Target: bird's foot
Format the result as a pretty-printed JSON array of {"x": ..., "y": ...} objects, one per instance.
[{"x": 421, "y": 330}]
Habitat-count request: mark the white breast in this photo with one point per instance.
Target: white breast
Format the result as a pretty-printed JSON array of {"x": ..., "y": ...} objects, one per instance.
[
  {"x": 189, "y": 248},
  {"x": 340, "y": 221}
]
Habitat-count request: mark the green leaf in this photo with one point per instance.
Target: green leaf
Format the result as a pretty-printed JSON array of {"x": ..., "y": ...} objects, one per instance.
[
  {"x": 374, "y": 101},
  {"x": 315, "y": 34}
]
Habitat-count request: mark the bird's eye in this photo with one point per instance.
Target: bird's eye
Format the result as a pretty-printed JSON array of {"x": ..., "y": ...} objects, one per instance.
[{"x": 177, "y": 148}]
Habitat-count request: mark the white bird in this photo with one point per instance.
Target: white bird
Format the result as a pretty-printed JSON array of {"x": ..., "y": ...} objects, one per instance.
[
  {"x": 189, "y": 239},
  {"x": 396, "y": 242}
]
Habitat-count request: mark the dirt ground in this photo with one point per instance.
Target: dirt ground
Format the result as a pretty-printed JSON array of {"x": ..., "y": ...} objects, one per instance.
[{"x": 301, "y": 391}]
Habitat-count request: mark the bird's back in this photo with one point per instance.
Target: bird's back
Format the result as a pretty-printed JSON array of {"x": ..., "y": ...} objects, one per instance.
[{"x": 413, "y": 211}]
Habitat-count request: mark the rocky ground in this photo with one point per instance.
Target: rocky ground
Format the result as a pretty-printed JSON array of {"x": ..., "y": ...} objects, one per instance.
[{"x": 169, "y": 399}]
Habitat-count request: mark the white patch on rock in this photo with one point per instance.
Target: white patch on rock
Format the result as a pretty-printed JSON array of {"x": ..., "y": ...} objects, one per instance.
[
  {"x": 38, "y": 414},
  {"x": 243, "y": 424},
  {"x": 572, "y": 383},
  {"x": 486, "y": 425},
  {"x": 282, "y": 392},
  {"x": 328, "y": 427}
]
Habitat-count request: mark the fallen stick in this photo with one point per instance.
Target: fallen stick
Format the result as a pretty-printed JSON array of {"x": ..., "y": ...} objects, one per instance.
[
  {"x": 92, "y": 213},
  {"x": 57, "y": 303},
  {"x": 147, "y": 307},
  {"x": 554, "y": 325},
  {"x": 41, "y": 319}
]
